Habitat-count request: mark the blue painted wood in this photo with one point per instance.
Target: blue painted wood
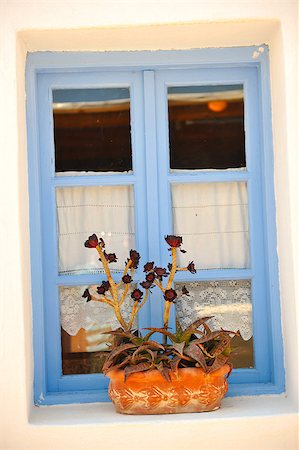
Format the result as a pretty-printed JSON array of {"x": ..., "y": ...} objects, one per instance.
[
  {"x": 273, "y": 300},
  {"x": 152, "y": 180},
  {"x": 97, "y": 180},
  {"x": 97, "y": 382},
  {"x": 152, "y": 193},
  {"x": 39, "y": 383},
  {"x": 55, "y": 62},
  {"x": 202, "y": 176}
]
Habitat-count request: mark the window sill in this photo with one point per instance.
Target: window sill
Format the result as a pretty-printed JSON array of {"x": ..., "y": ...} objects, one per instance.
[{"x": 103, "y": 414}]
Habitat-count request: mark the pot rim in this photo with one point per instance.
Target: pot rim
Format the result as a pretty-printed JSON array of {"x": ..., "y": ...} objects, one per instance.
[{"x": 182, "y": 371}]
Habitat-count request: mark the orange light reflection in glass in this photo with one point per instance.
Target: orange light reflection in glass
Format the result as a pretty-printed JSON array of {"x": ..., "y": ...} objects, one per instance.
[{"x": 217, "y": 105}]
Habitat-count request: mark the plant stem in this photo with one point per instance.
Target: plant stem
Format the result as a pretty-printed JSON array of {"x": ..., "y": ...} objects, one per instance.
[
  {"x": 167, "y": 305},
  {"x": 102, "y": 300},
  {"x": 113, "y": 288},
  {"x": 157, "y": 283}
]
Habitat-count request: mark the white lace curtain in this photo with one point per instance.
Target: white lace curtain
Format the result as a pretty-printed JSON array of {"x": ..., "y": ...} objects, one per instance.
[
  {"x": 213, "y": 220},
  {"x": 227, "y": 301},
  {"x": 211, "y": 217},
  {"x": 107, "y": 211}
]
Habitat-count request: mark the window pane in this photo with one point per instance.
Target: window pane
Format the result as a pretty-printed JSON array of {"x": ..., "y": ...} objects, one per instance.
[
  {"x": 107, "y": 211},
  {"x": 83, "y": 324},
  {"x": 206, "y": 127},
  {"x": 212, "y": 218},
  {"x": 92, "y": 130},
  {"x": 229, "y": 302}
]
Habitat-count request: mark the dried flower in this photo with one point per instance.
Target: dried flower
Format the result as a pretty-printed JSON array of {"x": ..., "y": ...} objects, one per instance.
[
  {"x": 126, "y": 279},
  {"x": 191, "y": 267},
  {"x": 161, "y": 272},
  {"x": 92, "y": 241},
  {"x": 135, "y": 257},
  {"x": 148, "y": 266},
  {"x": 170, "y": 295},
  {"x": 146, "y": 284},
  {"x": 150, "y": 277},
  {"x": 110, "y": 257},
  {"x": 86, "y": 294},
  {"x": 173, "y": 241},
  {"x": 103, "y": 288},
  {"x": 137, "y": 295}
]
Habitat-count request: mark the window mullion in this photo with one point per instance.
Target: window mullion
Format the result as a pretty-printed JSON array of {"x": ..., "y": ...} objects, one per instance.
[{"x": 152, "y": 186}]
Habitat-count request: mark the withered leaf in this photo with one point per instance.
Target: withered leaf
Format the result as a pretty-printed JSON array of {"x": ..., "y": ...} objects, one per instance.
[
  {"x": 141, "y": 367},
  {"x": 195, "y": 352},
  {"x": 219, "y": 361}
]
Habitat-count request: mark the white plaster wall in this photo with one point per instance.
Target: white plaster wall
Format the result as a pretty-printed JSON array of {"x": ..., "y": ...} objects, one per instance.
[{"x": 259, "y": 423}]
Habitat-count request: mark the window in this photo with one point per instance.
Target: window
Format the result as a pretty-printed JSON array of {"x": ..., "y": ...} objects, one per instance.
[{"x": 134, "y": 147}]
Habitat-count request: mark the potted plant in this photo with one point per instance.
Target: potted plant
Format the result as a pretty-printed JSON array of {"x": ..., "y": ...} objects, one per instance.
[{"x": 187, "y": 372}]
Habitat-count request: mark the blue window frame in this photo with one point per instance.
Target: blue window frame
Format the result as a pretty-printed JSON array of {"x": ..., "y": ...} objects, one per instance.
[{"x": 148, "y": 75}]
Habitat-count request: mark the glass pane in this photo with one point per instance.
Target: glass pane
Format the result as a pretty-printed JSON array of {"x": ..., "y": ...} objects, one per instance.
[
  {"x": 229, "y": 302},
  {"x": 212, "y": 218},
  {"x": 107, "y": 211},
  {"x": 206, "y": 127},
  {"x": 83, "y": 324},
  {"x": 92, "y": 130}
]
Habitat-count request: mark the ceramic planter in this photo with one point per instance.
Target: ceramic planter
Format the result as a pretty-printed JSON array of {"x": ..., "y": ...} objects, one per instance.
[{"x": 191, "y": 390}]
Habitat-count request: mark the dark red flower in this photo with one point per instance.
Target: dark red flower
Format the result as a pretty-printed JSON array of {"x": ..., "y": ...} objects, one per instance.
[
  {"x": 148, "y": 266},
  {"x": 174, "y": 241},
  {"x": 106, "y": 285},
  {"x": 191, "y": 267},
  {"x": 137, "y": 295},
  {"x": 170, "y": 295},
  {"x": 185, "y": 291},
  {"x": 110, "y": 257},
  {"x": 86, "y": 294},
  {"x": 92, "y": 241},
  {"x": 127, "y": 279},
  {"x": 103, "y": 288},
  {"x": 135, "y": 257},
  {"x": 161, "y": 272},
  {"x": 169, "y": 267},
  {"x": 146, "y": 284},
  {"x": 150, "y": 277}
]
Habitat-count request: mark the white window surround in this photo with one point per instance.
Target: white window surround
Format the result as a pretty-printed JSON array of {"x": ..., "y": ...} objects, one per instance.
[{"x": 61, "y": 420}]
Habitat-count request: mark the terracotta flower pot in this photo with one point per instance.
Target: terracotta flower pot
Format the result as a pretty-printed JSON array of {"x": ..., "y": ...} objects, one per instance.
[{"x": 191, "y": 390}]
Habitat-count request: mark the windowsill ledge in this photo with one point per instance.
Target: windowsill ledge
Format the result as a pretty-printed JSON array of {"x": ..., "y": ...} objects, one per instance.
[{"x": 233, "y": 408}]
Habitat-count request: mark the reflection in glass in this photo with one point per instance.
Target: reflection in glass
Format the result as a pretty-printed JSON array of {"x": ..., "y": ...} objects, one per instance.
[
  {"x": 206, "y": 127},
  {"x": 92, "y": 130},
  {"x": 212, "y": 218},
  {"x": 228, "y": 302},
  {"x": 107, "y": 211},
  {"x": 85, "y": 345}
]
